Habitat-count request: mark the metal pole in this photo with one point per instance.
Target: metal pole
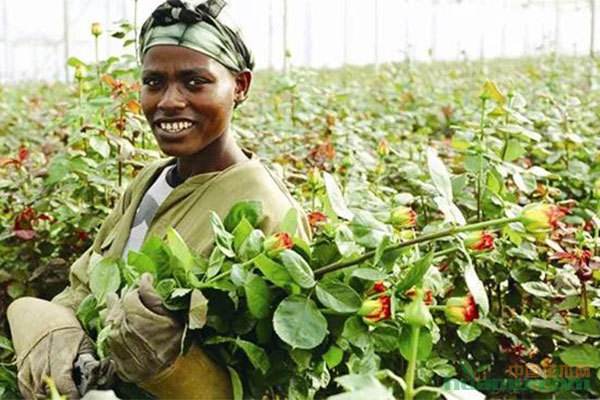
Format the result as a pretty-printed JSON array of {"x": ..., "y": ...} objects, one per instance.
[
  {"x": 285, "y": 37},
  {"x": 66, "y": 37},
  {"x": 345, "y": 37},
  {"x": 556, "y": 26},
  {"x": 503, "y": 38},
  {"x": 308, "y": 35},
  {"x": 592, "y": 26},
  {"x": 376, "y": 33},
  {"x": 434, "y": 6},
  {"x": 270, "y": 49},
  {"x": 5, "y": 75}
]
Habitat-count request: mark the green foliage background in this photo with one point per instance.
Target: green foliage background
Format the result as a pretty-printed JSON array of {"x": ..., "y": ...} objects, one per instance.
[{"x": 67, "y": 151}]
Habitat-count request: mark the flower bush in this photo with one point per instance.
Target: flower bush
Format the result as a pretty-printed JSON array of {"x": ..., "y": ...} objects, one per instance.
[{"x": 456, "y": 202}]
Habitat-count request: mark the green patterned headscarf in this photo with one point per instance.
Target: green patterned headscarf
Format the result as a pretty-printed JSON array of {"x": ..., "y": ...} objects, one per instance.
[{"x": 197, "y": 27}]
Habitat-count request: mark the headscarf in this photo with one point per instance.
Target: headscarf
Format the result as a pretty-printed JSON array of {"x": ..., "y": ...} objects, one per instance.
[{"x": 196, "y": 26}]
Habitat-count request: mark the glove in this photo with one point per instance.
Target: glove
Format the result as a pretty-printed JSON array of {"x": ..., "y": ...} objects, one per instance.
[
  {"x": 144, "y": 338},
  {"x": 47, "y": 338},
  {"x": 145, "y": 344}
]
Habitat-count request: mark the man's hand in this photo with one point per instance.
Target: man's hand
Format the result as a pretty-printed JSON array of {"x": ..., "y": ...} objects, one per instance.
[
  {"x": 145, "y": 339},
  {"x": 47, "y": 338}
]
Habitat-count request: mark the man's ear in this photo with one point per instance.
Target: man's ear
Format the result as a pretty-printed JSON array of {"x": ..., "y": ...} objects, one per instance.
[{"x": 243, "y": 80}]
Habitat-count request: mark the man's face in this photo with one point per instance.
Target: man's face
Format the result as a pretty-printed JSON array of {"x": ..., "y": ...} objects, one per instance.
[{"x": 187, "y": 98}]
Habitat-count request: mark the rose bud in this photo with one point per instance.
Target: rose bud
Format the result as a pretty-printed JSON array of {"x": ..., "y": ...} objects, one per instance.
[
  {"x": 427, "y": 295},
  {"x": 374, "y": 310},
  {"x": 314, "y": 178},
  {"x": 277, "y": 243},
  {"x": 479, "y": 241},
  {"x": 383, "y": 148},
  {"x": 80, "y": 71},
  {"x": 541, "y": 217},
  {"x": 416, "y": 312},
  {"x": 379, "y": 287},
  {"x": 315, "y": 218},
  {"x": 96, "y": 29},
  {"x": 403, "y": 217},
  {"x": 461, "y": 310}
]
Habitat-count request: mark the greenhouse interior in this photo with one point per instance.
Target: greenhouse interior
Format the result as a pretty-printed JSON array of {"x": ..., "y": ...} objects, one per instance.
[{"x": 300, "y": 199}]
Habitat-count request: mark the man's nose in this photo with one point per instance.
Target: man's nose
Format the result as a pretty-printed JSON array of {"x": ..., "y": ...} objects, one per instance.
[{"x": 172, "y": 99}]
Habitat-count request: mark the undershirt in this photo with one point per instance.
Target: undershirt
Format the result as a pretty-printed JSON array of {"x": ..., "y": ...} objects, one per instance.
[{"x": 153, "y": 198}]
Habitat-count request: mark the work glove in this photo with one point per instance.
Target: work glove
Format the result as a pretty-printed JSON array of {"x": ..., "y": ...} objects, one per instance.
[
  {"x": 144, "y": 338},
  {"x": 145, "y": 343},
  {"x": 47, "y": 339}
]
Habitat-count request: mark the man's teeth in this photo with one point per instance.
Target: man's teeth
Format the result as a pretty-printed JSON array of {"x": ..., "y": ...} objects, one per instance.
[{"x": 175, "y": 126}]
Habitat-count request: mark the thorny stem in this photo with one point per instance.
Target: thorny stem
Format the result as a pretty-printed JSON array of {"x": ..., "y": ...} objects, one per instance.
[
  {"x": 421, "y": 239},
  {"x": 480, "y": 173},
  {"x": 412, "y": 362},
  {"x": 584, "y": 301}
]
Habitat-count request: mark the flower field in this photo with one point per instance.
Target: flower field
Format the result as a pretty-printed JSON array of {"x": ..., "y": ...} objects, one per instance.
[{"x": 454, "y": 208}]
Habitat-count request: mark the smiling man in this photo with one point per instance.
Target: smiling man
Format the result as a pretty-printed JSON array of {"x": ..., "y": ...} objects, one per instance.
[{"x": 196, "y": 70}]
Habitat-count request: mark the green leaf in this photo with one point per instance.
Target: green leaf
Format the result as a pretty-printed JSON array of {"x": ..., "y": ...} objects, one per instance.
[
  {"x": 338, "y": 296},
  {"x": 333, "y": 356},
  {"x": 356, "y": 332},
  {"x": 491, "y": 91},
  {"x": 477, "y": 289},
  {"x": 469, "y": 332},
  {"x": 215, "y": 262},
  {"x": 165, "y": 288},
  {"x": 251, "y": 210},
  {"x": 514, "y": 150},
  {"x": 445, "y": 370},
  {"x": 236, "y": 384},
  {"x": 538, "y": 289},
  {"x": 361, "y": 387},
  {"x": 424, "y": 348},
  {"x": 241, "y": 232},
  {"x": 198, "y": 310},
  {"x": 381, "y": 247},
  {"x": 589, "y": 327},
  {"x": 105, "y": 278},
  {"x": 141, "y": 262},
  {"x": 335, "y": 197},
  {"x": 15, "y": 290},
  {"x": 289, "y": 223},
  {"x": 59, "y": 168},
  {"x": 75, "y": 62},
  {"x": 415, "y": 275},
  {"x": 258, "y": 296},
  {"x": 273, "y": 271},
  {"x": 155, "y": 249},
  {"x": 257, "y": 356},
  {"x": 299, "y": 323},
  {"x": 385, "y": 338},
  {"x": 180, "y": 249},
  {"x": 344, "y": 240},
  {"x": 87, "y": 312},
  {"x": 238, "y": 274},
  {"x": 367, "y": 230},
  {"x": 582, "y": 356},
  {"x": 252, "y": 246},
  {"x": 223, "y": 239},
  {"x": 100, "y": 146},
  {"x": 439, "y": 174},
  {"x": 298, "y": 268},
  {"x": 369, "y": 274},
  {"x": 6, "y": 344}
]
